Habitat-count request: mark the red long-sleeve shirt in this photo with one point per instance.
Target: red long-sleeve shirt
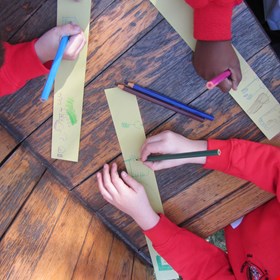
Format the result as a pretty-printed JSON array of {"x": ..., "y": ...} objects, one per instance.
[
  {"x": 21, "y": 64},
  {"x": 212, "y": 19},
  {"x": 254, "y": 245}
]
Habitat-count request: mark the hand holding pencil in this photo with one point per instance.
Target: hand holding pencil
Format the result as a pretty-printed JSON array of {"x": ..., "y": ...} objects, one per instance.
[
  {"x": 62, "y": 42},
  {"x": 168, "y": 142},
  {"x": 212, "y": 58}
]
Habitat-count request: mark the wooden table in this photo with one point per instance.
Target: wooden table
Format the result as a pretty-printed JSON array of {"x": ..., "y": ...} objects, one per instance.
[{"x": 130, "y": 40}]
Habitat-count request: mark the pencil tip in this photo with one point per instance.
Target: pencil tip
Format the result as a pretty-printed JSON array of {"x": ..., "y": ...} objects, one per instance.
[
  {"x": 219, "y": 152},
  {"x": 130, "y": 84}
]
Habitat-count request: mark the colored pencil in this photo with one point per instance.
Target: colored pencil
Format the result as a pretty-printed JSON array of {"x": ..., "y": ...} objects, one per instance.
[
  {"x": 171, "y": 101},
  {"x": 184, "y": 155},
  {"x": 215, "y": 81},
  {"x": 158, "y": 102},
  {"x": 55, "y": 65}
]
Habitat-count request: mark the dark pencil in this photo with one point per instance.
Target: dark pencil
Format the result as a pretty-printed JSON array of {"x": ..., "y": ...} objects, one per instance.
[
  {"x": 184, "y": 155},
  {"x": 170, "y": 101},
  {"x": 159, "y": 102}
]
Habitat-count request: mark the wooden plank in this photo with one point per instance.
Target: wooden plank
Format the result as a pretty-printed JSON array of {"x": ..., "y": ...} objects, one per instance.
[
  {"x": 63, "y": 248},
  {"x": 15, "y": 14},
  {"x": 18, "y": 177},
  {"x": 141, "y": 271},
  {"x": 120, "y": 262},
  {"x": 23, "y": 244},
  {"x": 95, "y": 252},
  {"x": 7, "y": 144}
]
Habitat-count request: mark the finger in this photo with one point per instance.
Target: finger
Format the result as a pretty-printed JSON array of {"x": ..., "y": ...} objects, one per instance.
[
  {"x": 151, "y": 148},
  {"x": 236, "y": 77},
  {"x": 69, "y": 29},
  {"x": 225, "y": 85},
  {"x": 116, "y": 180},
  {"x": 107, "y": 181},
  {"x": 164, "y": 164},
  {"x": 132, "y": 183},
  {"x": 105, "y": 194},
  {"x": 74, "y": 46}
]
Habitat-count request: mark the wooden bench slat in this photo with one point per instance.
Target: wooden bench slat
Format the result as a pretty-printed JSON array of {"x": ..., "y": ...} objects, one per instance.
[
  {"x": 95, "y": 252},
  {"x": 7, "y": 144},
  {"x": 18, "y": 177},
  {"x": 120, "y": 262},
  {"x": 23, "y": 244},
  {"x": 65, "y": 243}
]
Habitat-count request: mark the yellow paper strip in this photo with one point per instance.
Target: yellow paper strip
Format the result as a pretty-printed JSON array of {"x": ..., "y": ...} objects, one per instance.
[
  {"x": 69, "y": 86},
  {"x": 131, "y": 135},
  {"x": 252, "y": 95}
]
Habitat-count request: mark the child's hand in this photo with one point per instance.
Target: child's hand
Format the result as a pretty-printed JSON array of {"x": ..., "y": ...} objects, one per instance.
[
  {"x": 168, "y": 142},
  {"x": 47, "y": 45},
  {"x": 127, "y": 195},
  {"x": 211, "y": 58}
]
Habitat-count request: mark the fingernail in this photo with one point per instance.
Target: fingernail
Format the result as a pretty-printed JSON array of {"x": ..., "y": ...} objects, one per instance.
[{"x": 124, "y": 174}]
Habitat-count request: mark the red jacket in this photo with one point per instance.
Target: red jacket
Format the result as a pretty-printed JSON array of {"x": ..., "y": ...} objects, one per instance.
[
  {"x": 212, "y": 19},
  {"x": 254, "y": 245},
  {"x": 21, "y": 64}
]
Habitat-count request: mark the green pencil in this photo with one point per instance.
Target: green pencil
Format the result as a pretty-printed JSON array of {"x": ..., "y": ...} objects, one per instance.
[{"x": 184, "y": 155}]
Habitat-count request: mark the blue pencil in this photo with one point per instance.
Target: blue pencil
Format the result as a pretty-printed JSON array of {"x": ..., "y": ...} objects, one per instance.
[
  {"x": 171, "y": 101},
  {"x": 58, "y": 57}
]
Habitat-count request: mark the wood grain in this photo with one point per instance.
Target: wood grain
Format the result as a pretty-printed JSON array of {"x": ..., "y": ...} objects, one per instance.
[
  {"x": 18, "y": 177},
  {"x": 92, "y": 263},
  {"x": 24, "y": 242},
  {"x": 141, "y": 271},
  {"x": 120, "y": 262},
  {"x": 65, "y": 243},
  {"x": 7, "y": 144}
]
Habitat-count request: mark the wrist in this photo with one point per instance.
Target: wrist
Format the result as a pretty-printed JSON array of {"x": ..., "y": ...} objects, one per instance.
[
  {"x": 195, "y": 146},
  {"x": 147, "y": 220}
]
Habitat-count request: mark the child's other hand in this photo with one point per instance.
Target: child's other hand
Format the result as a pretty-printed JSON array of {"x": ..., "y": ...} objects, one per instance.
[
  {"x": 127, "y": 195},
  {"x": 169, "y": 142},
  {"x": 211, "y": 58},
  {"x": 47, "y": 45}
]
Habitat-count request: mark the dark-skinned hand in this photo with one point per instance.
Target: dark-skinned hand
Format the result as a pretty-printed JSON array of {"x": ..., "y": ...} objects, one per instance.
[{"x": 211, "y": 58}]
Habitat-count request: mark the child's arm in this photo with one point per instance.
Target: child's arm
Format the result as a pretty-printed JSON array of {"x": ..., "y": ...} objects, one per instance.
[
  {"x": 168, "y": 142},
  {"x": 254, "y": 162},
  {"x": 191, "y": 256},
  {"x": 25, "y": 61},
  {"x": 212, "y": 29}
]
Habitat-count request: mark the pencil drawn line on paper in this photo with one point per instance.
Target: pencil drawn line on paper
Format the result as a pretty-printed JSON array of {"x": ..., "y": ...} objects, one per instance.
[
  {"x": 136, "y": 125},
  {"x": 258, "y": 104},
  {"x": 271, "y": 119}
]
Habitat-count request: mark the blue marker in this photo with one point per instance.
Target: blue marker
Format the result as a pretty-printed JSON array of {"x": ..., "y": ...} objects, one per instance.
[
  {"x": 171, "y": 101},
  {"x": 58, "y": 57}
]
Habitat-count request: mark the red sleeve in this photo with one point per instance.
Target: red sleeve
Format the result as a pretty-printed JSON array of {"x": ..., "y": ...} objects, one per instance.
[
  {"x": 212, "y": 19},
  {"x": 191, "y": 256},
  {"x": 254, "y": 162},
  {"x": 21, "y": 64}
]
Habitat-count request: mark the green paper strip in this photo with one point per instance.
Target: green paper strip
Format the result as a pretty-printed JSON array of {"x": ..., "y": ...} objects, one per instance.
[
  {"x": 131, "y": 135},
  {"x": 69, "y": 86}
]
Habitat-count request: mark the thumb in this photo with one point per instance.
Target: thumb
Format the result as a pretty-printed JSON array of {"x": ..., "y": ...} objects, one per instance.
[
  {"x": 132, "y": 183},
  {"x": 236, "y": 77},
  {"x": 69, "y": 29}
]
